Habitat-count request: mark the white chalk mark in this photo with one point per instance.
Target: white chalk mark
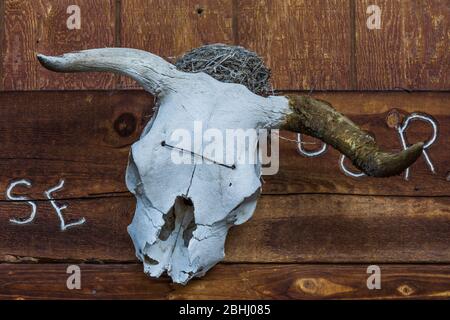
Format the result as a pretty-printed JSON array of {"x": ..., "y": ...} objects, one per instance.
[
  {"x": 428, "y": 161},
  {"x": 347, "y": 171},
  {"x": 402, "y": 129},
  {"x": 59, "y": 209},
  {"x": 309, "y": 154},
  {"x": 22, "y": 198}
]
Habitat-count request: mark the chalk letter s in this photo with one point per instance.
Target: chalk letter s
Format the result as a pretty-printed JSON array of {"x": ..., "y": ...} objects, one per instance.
[{"x": 21, "y": 198}]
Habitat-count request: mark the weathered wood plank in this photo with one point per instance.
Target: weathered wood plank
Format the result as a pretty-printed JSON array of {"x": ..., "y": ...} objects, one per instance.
[
  {"x": 330, "y": 228},
  {"x": 2, "y": 39},
  {"x": 40, "y": 26},
  {"x": 102, "y": 237},
  {"x": 84, "y": 137},
  {"x": 297, "y": 228},
  {"x": 307, "y": 44},
  {"x": 171, "y": 30},
  {"x": 228, "y": 282},
  {"x": 409, "y": 51}
]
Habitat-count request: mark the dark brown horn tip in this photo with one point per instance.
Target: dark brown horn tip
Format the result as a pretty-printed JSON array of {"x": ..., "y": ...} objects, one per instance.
[{"x": 383, "y": 164}]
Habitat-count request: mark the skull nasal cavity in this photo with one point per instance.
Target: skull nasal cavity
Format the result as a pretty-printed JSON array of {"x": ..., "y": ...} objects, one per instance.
[
  {"x": 169, "y": 225},
  {"x": 179, "y": 220}
]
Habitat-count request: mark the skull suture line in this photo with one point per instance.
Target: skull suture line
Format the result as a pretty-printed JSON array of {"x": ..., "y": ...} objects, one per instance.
[{"x": 183, "y": 212}]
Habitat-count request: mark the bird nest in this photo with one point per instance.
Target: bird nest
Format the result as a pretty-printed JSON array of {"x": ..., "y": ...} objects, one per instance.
[{"x": 231, "y": 64}]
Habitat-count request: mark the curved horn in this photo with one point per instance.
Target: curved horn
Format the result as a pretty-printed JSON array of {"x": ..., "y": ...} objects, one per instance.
[
  {"x": 150, "y": 71},
  {"x": 319, "y": 119}
]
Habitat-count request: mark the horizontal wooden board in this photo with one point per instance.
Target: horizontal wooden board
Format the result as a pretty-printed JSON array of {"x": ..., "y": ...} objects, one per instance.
[
  {"x": 307, "y": 44},
  {"x": 169, "y": 30},
  {"x": 322, "y": 44},
  {"x": 2, "y": 40},
  {"x": 236, "y": 282},
  {"x": 295, "y": 228},
  {"x": 84, "y": 138},
  {"x": 40, "y": 26},
  {"x": 410, "y": 50},
  {"x": 330, "y": 228}
]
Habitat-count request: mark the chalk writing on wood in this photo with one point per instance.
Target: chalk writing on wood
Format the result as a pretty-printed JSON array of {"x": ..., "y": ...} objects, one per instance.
[
  {"x": 48, "y": 194},
  {"x": 59, "y": 209},
  {"x": 401, "y": 130},
  {"x": 21, "y": 198},
  {"x": 347, "y": 171},
  {"x": 310, "y": 154}
]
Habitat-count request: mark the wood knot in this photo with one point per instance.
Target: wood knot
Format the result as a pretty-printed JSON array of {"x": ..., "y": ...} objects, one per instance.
[
  {"x": 200, "y": 10},
  {"x": 320, "y": 287},
  {"x": 125, "y": 124},
  {"x": 393, "y": 118},
  {"x": 307, "y": 285},
  {"x": 405, "y": 290}
]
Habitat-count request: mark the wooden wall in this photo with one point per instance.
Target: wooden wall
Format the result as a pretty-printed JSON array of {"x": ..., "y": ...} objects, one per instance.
[{"x": 315, "y": 230}]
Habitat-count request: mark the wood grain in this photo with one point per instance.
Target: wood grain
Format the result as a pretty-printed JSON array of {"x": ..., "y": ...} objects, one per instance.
[
  {"x": 171, "y": 30},
  {"x": 411, "y": 50},
  {"x": 2, "y": 40},
  {"x": 39, "y": 26},
  {"x": 331, "y": 228},
  {"x": 227, "y": 282},
  {"x": 84, "y": 137},
  {"x": 307, "y": 44},
  {"x": 295, "y": 228}
]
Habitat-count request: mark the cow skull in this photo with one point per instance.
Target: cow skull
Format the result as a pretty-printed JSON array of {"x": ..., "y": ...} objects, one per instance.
[{"x": 184, "y": 211}]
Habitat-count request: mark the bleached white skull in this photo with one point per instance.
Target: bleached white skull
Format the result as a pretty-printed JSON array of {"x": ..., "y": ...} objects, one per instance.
[{"x": 184, "y": 211}]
